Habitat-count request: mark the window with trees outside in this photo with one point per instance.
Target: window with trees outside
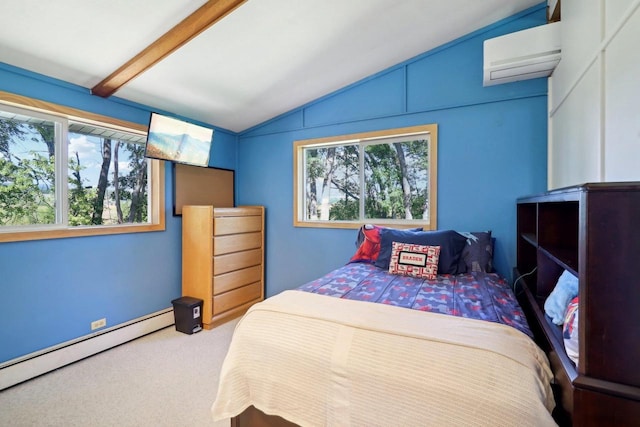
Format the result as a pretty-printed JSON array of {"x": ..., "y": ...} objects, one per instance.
[
  {"x": 383, "y": 177},
  {"x": 67, "y": 173}
]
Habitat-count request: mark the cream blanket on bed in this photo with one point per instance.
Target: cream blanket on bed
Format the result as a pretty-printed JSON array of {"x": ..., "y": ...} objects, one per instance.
[{"x": 321, "y": 361}]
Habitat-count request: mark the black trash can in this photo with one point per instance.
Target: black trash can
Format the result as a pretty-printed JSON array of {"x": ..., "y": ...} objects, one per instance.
[{"x": 187, "y": 312}]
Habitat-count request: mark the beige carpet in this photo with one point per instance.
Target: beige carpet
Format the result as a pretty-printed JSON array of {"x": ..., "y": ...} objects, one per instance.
[{"x": 163, "y": 379}]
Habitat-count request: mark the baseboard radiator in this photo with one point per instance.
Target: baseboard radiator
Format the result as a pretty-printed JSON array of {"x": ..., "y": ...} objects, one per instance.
[{"x": 30, "y": 366}]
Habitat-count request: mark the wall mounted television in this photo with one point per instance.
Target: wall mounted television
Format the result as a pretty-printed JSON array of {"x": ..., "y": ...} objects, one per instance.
[{"x": 178, "y": 141}]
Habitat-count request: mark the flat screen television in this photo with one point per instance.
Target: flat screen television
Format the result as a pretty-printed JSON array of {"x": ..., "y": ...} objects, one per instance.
[{"x": 178, "y": 141}]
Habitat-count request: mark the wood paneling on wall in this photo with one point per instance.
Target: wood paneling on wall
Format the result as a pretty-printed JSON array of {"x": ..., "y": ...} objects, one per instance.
[{"x": 594, "y": 95}]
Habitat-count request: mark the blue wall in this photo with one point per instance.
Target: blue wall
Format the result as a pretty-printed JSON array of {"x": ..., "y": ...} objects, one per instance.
[
  {"x": 492, "y": 149},
  {"x": 51, "y": 290},
  {"x": 492, "y": 146}
]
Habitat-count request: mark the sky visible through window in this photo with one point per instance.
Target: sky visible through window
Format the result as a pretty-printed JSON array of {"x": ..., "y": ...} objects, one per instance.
[
  {"x": 88, "y": 148},
  {"x": 62, "y": 176}
]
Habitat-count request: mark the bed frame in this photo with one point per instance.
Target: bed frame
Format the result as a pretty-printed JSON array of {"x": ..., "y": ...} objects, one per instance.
[
  {"x": 592, "y": 231},
  {"x": 252, "y": 417}
]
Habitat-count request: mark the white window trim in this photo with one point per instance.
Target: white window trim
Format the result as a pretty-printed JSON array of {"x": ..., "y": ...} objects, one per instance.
[
  {"x": 364, "y": 138},
  {"x": 156, "y": 176}
]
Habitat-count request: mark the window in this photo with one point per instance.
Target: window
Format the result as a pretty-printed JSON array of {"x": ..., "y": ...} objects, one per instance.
[
  {"x": 107, "y": 176},
  {"x": 68, "y": 173},
  {"x": 385, "y": 177}
]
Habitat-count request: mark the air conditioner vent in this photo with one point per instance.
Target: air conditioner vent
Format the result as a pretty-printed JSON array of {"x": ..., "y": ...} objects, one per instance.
[{"x": 522, "y": 55}]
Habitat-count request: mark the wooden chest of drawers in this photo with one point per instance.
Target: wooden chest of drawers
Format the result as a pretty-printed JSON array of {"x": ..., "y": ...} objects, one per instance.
[{"x": 223, "y": 259}]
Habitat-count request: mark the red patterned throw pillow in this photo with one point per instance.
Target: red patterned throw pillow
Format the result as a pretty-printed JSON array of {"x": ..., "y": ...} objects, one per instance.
[
  {"x": 570, "y": 330},
  {"x": 414, "y": 260},
  {"x": 370, "y": 247}
]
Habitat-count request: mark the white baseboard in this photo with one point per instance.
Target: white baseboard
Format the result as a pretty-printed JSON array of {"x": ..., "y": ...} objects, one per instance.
[{"x": 18, "y": 370}]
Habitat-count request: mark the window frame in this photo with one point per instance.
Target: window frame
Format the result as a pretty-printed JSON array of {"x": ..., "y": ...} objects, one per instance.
[
  {"x": 365, "y": 138},
  {"x": 156, "y": 176}
]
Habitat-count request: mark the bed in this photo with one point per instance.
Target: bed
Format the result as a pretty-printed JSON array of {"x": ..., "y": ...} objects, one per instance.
[{"x": 434, "y": 338}]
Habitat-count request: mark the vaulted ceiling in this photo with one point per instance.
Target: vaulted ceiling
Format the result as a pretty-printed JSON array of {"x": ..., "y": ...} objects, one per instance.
[{"x": 253, "y": 59}]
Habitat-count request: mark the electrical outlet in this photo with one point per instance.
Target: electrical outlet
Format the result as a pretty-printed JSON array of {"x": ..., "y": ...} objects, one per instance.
[{"x": 101, "y": 323}]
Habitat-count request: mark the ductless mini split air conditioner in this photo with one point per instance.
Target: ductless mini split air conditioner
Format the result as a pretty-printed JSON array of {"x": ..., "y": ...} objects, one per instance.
[{"x": 526, "y": 54}]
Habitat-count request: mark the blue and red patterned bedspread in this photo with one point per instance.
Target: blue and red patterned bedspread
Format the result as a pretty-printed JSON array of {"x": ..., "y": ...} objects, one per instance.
[{"x": 484, "y": 296}]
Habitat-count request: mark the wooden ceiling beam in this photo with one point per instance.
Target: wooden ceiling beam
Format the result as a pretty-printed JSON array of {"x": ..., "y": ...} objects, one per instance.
[{"x": 207, "y": 15}]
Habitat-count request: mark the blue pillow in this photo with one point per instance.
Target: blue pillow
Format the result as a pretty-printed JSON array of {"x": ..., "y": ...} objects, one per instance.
[
  {"x": 558, "y": 300},
  {"x": 451, "y": 245},
  {"x": 366, "y": 227},
  {"x": 477, "y": 255}
]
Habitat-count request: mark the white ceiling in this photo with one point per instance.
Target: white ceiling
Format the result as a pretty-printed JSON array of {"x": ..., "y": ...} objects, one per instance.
[{"x": 264, "y": 59}]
